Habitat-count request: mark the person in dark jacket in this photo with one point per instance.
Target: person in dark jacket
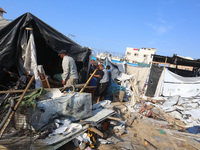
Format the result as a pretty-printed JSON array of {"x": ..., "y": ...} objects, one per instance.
[
  {"x": 103, "y": 83},
  {"x": 109, "y": 73}
]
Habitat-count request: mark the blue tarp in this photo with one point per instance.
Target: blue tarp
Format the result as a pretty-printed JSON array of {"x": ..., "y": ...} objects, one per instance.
[{"x": 115, "y": 88}]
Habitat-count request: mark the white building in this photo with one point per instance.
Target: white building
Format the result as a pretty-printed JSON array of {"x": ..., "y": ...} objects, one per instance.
[
  {"x": 143, "y": 55},
  {"x": 3, "y": 22}
]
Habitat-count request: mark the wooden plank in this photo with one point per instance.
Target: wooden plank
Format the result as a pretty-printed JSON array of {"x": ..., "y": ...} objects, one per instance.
[
  {"x": 46, "y": 78},
  {"x": 114, "y": 118},
  {"x": 155, "y": 62},
  {"x": 96, "y": 131},
  {"x": 13, "y": 91},
  {"x": 165, "y": 62},
  {"x": 88, "y": 81}
]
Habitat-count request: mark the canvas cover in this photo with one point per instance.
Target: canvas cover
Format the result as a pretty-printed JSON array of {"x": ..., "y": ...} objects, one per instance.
[
  {"x": 174, "y": 84},
  {"x": 48, "y": 42}
]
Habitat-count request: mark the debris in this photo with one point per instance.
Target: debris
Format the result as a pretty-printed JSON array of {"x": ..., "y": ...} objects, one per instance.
[
  {"x": 119, "y": 130},
  {"x": 104, "y": 141}
]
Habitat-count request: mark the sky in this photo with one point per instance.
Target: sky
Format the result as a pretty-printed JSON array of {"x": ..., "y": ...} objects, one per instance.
[{"x": 171, "y": 26}]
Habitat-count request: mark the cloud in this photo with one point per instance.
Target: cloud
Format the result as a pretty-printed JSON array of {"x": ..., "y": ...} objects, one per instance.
[{"x": 160, "y": 29}]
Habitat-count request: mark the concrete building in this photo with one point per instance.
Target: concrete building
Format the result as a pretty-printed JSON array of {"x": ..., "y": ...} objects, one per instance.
[
  {"x": 2, "y": 11},
  {"x": 143, "y": 55},
  {"x": 3, "y": 22}
]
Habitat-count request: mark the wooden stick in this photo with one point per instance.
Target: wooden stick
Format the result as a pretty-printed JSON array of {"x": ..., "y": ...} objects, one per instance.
[
  {"x": 78, "y": 86},
  {"x": 46, "y": 78},
  {"x": 165, "y": 62},
  {"x": 97, "y": 131},
  {"x": 13, "y": 91},
  {"x": 114, "y": 118},
  {"x": 155, "y": 62},
  {"x": 88, "y": 81},
  {"x": 15, "y": 108}
]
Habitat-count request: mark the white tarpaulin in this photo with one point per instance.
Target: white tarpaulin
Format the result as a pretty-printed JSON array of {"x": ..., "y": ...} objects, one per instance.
[
  {"x": 31, "y": 63},
  {"x": 27, "y": 61},
  {"x": 174, "y": 84}
]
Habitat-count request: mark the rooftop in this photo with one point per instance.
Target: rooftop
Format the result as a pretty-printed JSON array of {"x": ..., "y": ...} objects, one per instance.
[{"x": 1, "y": 10}]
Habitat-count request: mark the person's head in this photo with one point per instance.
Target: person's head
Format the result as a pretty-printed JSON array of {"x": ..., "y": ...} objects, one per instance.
[
  {"x": 93, "y": 61},
  {"x": 101, "y": 66},
  {"x": 107, "y": 67},
  {"x": 62, "y": 53}
]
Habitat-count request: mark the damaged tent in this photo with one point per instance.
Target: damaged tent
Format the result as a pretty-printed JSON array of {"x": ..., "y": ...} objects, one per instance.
[
  {"x": 168, "y": 81},
  {"x": 28, "y": 39}
]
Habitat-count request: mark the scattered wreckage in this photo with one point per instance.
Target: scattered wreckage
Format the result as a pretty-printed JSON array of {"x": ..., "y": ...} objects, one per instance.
[
  {"x": 138, "y": 123},
  {"x": 156, "y": 107}
]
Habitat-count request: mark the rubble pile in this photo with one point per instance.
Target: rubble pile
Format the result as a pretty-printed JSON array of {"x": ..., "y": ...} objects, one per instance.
[{"x": 55, "y": 119}]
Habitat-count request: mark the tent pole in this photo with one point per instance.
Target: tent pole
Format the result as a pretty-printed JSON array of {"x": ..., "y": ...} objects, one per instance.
[{"x": 165, "y": 62}]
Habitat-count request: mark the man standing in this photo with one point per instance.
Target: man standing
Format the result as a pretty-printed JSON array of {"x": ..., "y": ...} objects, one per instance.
[
  {"x": 103, "y": 83},
  {"x": 109, "y": 73},
  {"x": 70, "y": 75}
]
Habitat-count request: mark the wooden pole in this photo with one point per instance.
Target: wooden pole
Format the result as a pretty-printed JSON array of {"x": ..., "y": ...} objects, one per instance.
[
  {"x": 165, "y": 62},
  {"x": 88, "y": 81},
  {"x": 15, "y": 108},
  {"x": 13, "y": 91},
  {"x": 46, "y": 78}
]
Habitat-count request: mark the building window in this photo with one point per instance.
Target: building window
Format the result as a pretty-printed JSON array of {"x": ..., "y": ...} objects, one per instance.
[
  {"x": 136, "y": 54},
  {"x": 128, "y": 53},
  {"x": 145, "y": 56}
]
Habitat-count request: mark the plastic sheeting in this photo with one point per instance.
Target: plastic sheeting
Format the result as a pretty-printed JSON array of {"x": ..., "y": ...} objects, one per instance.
[
  {"x": 30, "y": 62},
  {"x": 154, "y": 77},
  {"x": 114, "y": 88},
  {"x": 116, "y": 68},
  {"x": 48, "y": 42},
  {"x": 141, "y": 73},
  {"x": 71, "y": 106},
  {"x": 178, "y": 85}
]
